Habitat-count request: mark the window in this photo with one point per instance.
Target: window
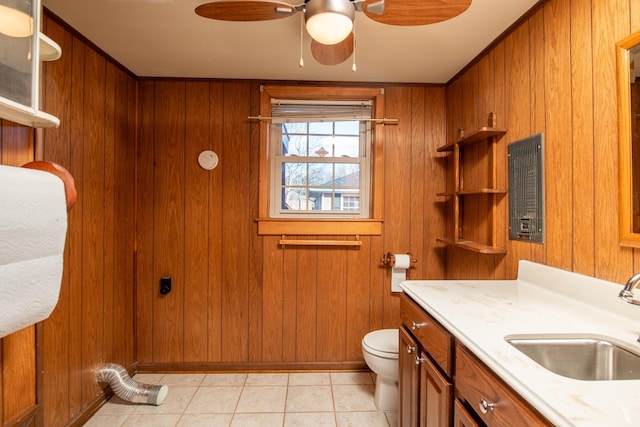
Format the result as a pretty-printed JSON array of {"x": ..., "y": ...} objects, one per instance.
[
  {"x": 320, "y": 159},
  {"x": 321, "y": 163}
]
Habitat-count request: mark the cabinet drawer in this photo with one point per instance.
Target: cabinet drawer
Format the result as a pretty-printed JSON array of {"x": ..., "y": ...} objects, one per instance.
[
  {"x": 432, "y": 337},
  {"x": 479, "y": 386}
]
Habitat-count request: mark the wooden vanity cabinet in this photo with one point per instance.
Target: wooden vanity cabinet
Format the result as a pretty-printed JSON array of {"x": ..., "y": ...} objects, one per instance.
[
  {"x": 488, "y": 398},
  {"x": 426, "y": 363},
  {"x": 428, "y": 380}
]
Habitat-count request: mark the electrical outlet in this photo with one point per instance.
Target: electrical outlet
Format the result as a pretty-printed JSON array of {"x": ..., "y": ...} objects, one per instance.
[{"x": 165, "y": 285}]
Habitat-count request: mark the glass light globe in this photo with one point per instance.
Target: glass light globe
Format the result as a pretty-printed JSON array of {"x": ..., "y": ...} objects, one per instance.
[{"x": 329, "y": 27}]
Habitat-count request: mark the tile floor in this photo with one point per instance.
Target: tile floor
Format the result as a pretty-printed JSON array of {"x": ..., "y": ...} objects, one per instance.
[{"x": 336, "y": 399}]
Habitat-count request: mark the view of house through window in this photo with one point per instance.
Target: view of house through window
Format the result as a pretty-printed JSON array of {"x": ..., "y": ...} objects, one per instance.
[{"x": 320, "y": 159}]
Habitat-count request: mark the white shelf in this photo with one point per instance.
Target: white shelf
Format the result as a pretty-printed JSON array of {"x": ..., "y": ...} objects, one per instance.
[
  {"x": 49, "y": 50},
  {"x": 24, "y": 115}
]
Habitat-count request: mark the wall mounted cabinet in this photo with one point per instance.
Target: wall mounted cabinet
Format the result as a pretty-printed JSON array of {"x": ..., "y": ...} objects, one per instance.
[
  {"x": 24, "y": 47},
  {"x": 473, "y": 193}
]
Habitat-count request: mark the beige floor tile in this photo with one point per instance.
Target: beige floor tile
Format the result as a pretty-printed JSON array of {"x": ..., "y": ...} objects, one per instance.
[
  {"x": 106, "y": 420},
  {"x": 257, "y": 420},
  {"x": 223, "y": 379},
  {"x": 214, "y": 400},
  {"x": 267, "y": 379},
  {"x": 262, "y": 398},
  {"x": 310, "y": 378},
  {"x": 353, "y": 397},
  {"x": 177, "y": 400},
  {"x": 351, "y": 378},
  {"x": 309, "y": 398},
  {"x": 304, "y": 399},
  {"x": 359, "y": 419},
  {"x": 205, "y": 420},
  {"x": 392, "y": 417},
  {"x": 309, "y": 419},
  {"x": 191, "y": 380},
  {"x": 150, "y": 378},
  {"x": 151, "y": 420},
  {"x": 117, "y": 406}
]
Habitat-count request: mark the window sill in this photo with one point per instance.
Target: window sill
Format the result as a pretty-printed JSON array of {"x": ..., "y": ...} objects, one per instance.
[{"x": 318, "y": 227}]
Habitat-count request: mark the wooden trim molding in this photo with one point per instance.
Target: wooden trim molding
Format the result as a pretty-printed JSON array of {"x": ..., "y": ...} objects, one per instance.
[
  {"x": 628, "y": 237},
  {"x": 27, "y": 418},
  {"x": 270, "y": 226},
  {"x": 214, "y": 367}
]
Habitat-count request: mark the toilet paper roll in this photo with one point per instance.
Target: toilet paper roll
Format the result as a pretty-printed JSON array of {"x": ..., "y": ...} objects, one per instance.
[
  {"x": 399, "y": 271},
  {"x": 33, "y": 226},
  {"x": 401, "y": 261}
]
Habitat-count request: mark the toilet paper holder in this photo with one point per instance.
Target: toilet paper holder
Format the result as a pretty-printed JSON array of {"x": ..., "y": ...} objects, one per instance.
[{"x": 388, "y": 260}]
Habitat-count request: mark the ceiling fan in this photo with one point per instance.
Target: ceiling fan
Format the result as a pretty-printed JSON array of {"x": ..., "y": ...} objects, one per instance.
[{"x": 330, "y": 22}]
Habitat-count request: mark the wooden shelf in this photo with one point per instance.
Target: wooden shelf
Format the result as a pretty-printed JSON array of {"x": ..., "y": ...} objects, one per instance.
[
  {"x": 478, "y": 135},
  {"x": 472, "y": 246},
  {"x": 497, "y": 191},
  {"x": 446, "y": 194},
  {"x": 483, "y": 155},
  {"x": 482, "y": 191}
]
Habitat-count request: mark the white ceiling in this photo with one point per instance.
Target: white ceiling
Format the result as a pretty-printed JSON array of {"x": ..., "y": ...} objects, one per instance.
[{"x": 165, "y": 38}]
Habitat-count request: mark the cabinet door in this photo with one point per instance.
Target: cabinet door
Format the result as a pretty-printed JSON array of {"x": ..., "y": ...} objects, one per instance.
[
  {"x": 408, "y": 380},
  {"x": 461, "y": 417},
  {"x": 436, "y": 395}
]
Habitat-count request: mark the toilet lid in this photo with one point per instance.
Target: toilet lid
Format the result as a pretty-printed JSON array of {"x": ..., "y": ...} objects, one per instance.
[{"x": 383, "y": 343}]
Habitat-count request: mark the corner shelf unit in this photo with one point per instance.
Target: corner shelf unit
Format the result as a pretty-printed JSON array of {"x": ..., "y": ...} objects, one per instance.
[{"x": 490, "y": 135}]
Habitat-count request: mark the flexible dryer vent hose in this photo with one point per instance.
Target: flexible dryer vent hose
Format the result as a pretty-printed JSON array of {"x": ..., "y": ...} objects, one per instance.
[{"x": 127, "y": 389}]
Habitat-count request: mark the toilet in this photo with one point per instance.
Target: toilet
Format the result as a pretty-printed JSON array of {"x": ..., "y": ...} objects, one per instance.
[{"x": 380, "y": 351}]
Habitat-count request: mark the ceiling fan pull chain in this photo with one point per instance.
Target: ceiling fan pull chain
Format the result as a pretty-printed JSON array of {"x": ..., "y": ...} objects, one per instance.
[
  {"x": 353, "y": 66},
  {"x": 301, "y": 63}
]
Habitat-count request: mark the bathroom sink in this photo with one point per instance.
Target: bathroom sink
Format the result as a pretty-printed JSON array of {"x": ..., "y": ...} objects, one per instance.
[{"x": 581, "y": 358}]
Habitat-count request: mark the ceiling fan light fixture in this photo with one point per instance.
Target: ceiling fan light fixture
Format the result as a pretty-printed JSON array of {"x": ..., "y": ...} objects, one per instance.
[{"x": 329, "y": 21}]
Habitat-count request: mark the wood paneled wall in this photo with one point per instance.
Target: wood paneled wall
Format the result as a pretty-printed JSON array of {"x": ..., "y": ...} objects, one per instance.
[
  {"x": 94, "y": 320},
  {"x": 239, "y": 300},
  {"x": 555, "y": 74}
]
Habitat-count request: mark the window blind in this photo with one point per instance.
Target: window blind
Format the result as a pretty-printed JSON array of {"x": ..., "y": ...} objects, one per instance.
[{"x": 282, "y": 111}]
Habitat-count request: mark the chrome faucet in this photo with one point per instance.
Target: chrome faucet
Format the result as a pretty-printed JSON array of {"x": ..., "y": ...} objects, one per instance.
[{"x": 627, "y": 293}]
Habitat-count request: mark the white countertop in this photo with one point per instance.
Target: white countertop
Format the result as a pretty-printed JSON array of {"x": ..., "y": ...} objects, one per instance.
[{"x": 543, "y": 300}]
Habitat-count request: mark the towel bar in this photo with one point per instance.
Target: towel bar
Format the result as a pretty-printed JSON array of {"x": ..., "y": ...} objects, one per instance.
[{"x": 312, "y": 242}]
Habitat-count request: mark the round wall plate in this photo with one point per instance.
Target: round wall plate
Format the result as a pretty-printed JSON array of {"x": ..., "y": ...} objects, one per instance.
[{"x": 208, "y": 160}]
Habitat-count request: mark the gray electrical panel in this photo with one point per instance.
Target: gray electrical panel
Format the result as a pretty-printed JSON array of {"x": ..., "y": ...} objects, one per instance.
[{"x": 526, "y": 189}]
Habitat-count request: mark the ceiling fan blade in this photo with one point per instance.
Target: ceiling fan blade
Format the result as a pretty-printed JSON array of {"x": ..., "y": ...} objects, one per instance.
[
  {"x": 245, "y": 10},
  {"x": 332, "y": 54},
  {"x": 417, "y": 12}
]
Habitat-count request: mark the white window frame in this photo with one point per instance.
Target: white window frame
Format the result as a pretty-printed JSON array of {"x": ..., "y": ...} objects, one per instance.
[{"x": 325, "y": 112}]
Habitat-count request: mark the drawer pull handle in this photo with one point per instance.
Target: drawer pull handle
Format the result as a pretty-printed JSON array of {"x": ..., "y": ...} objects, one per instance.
[
  {"x": 411, "y": 349},
  {"x": 485, "y": 406},
  {"x": 415, "y": 325},
  {"x": 419, "y": 360}
]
